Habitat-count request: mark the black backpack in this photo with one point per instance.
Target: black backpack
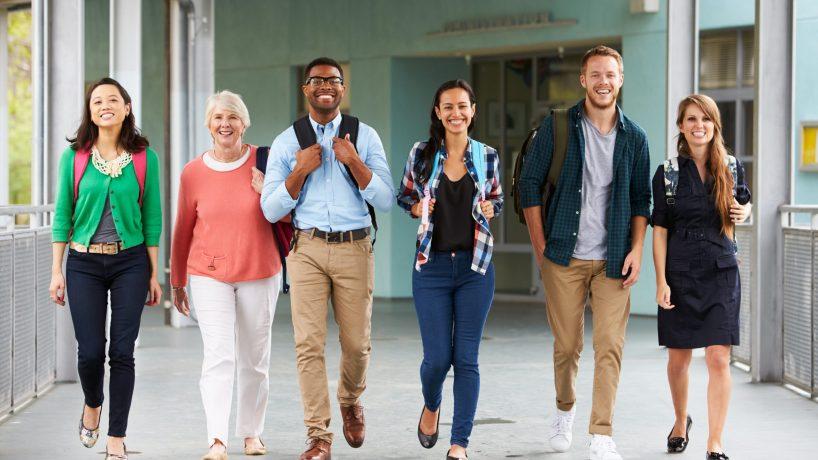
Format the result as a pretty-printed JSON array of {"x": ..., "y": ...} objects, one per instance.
[
  {"x": 559, "y": 118},
  {"x": 349, "y": 125}
]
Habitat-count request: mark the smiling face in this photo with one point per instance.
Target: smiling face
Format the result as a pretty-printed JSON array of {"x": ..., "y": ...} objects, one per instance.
[
  {"x": 108, "y": 107},
  {"x": 325, "y": 91},
  {"x": 697, "y": 127},
  {"x": 455, "y": 110},
  {"x": 602, "y": 80},
  {"x": 225, "y": 127}
]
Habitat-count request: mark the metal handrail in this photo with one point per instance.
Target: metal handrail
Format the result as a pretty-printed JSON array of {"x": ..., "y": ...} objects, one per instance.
[
  {"x": 25, "y": 209},
  {"x": 798, "y": 208}
]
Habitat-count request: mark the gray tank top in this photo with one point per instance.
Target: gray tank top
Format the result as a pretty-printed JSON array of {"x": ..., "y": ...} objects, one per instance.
[{"x": 106, "y": 232}]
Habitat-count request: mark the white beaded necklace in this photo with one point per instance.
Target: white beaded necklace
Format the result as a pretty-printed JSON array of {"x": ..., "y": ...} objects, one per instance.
[{"x": 111, "y": 168}]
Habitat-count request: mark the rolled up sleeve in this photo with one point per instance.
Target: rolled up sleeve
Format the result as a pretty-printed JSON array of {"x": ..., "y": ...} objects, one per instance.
[
  {"x": 661, "y": 214},
  {"x": 640, "y": 181},
  {"x": 379, "y": 192}
]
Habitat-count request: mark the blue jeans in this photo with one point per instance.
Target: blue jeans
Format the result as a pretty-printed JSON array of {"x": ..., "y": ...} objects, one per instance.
[
  {"x": 89, "y": 278},
  {"x": 452, "y": 303}
]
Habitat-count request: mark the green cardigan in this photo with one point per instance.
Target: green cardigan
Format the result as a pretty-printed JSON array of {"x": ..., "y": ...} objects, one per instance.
[{"x": 134, "y": 225}]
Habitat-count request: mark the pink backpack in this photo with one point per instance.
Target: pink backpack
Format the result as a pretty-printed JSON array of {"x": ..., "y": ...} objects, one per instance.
[{"x": 140, "y": 165}]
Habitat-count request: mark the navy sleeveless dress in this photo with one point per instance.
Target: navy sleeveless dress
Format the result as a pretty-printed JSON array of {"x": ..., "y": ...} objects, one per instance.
[{"x": 701, "y": 267}]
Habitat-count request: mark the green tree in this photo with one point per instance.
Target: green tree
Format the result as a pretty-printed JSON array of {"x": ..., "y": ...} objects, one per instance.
[{"x": 20, "y": 105}]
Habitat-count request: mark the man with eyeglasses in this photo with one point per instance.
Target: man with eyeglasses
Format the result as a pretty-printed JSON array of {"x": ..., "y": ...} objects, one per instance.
[{"x": 329, "y": 170}]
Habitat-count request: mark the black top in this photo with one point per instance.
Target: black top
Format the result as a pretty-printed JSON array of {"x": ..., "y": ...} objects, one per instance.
[
  {"x": 695, "y": 205},
  {"x": 453, "y": 221}
]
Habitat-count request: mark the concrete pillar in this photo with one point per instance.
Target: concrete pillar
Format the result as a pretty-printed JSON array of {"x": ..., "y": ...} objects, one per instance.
[
  {"x": 192, "y": 73},
  {"x": 57, "y": 54},
  {"x": 682, "y": 60},
  {"x": 125, "y": 50},
  {"x": 772, "y": 145}
]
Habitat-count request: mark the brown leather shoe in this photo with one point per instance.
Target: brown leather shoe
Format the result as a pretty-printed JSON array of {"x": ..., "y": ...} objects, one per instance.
[
  {"x": 317, "y": 449},
  {"x": 354, "y": 425}
]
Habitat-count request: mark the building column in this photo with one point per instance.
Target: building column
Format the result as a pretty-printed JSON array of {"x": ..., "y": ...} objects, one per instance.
[
  {"x": 58, "y": 80},
  {"x": 682, "y": 60},
  {"x": 192, "y": 75},
  {"x": 125, "y": 50},
  {"x": 772, "y": 144}
]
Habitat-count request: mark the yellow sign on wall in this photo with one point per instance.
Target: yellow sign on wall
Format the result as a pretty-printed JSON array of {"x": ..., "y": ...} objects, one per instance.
[{"x": 809, "y": 146}]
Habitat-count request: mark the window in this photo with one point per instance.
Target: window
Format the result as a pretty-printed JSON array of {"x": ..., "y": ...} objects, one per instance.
[{"x": 727, "y": 74}]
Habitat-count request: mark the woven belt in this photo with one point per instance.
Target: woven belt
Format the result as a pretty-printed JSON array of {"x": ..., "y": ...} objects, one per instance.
[
  {"x": 98, "y": 248},
  {"x": 337, "y": 237}
]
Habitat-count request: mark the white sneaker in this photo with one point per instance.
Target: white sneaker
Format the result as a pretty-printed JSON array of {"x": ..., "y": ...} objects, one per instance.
[
  {"x": 561, "y": 426},
  {"x": 603, "y": 448}
]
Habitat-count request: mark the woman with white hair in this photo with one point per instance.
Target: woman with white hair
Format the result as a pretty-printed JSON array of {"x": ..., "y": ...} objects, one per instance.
[{"x": 222, "y": 240}]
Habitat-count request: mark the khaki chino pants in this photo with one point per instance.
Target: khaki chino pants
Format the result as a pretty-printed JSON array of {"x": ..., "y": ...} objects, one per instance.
[
  {"x": 566, "y": 291},
  {"x": 344, "y": 274}
]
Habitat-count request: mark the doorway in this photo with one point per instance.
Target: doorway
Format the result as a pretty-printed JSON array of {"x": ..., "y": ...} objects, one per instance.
[{"x": 514, "y": 94}]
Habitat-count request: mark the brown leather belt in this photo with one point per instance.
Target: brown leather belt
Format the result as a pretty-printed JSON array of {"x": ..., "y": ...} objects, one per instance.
[
  {"x": 337, "y": 237},
  {"x": 98, "y": 248}
]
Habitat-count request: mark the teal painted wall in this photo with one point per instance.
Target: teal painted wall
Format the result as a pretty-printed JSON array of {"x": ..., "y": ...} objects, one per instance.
[
  {"x": 390, "y": 44},
  {"x": 414, "y": 82},
  {"x": 96, "y": 39}
]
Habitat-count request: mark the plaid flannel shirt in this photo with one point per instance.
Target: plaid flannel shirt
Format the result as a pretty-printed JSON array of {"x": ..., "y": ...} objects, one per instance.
[
  {"x": 411, "y": 192},
  {"x": 630, "y": 189}
]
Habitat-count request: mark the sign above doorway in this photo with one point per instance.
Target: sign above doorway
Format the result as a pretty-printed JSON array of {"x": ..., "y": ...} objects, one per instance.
[{"x": 502, "y": 23}]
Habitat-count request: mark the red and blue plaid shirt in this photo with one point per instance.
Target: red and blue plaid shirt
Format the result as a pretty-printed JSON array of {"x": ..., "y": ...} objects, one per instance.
[{"x": 412, "y": 191}]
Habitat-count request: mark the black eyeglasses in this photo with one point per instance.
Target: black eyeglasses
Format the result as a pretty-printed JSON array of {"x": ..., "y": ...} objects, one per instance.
[{"x": 317, "y": 82}]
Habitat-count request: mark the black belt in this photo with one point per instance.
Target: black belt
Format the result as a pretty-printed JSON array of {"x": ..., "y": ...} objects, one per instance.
[{"x": 337, "y": 237}]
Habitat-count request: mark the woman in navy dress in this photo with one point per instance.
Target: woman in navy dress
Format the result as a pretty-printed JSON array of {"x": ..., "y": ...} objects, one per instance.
[{"x": 697, "y": 279}]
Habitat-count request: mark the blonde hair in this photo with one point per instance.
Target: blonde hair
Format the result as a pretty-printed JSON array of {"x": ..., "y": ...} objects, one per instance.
[{"x": 229, "y": 101}]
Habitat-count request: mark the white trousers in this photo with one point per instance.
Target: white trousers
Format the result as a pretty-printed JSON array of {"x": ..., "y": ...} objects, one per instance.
[{"x": 235, "y": 320}]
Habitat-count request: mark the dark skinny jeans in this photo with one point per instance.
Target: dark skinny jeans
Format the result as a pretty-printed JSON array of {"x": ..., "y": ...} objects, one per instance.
[
  {"x": 452, "y": 303},
  {"x": 89, "y": 278}
]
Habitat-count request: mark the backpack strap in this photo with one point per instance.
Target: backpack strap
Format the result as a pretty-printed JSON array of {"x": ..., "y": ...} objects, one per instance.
[
  {"x": 81, "y": 158},
  {"x": 351, "y": 125},
  {"x": 671, "y": 173},
  {"x": 304, "y": 132},
  {"x": 478, "y": 158},
  {"x": 559, "y": 118},
  {"x": 140, "y": 166},
  {"x": 730, "y": 160}
]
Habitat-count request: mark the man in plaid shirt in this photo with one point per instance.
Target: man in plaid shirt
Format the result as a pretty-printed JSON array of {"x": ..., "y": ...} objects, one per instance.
[{"x": 596, "y": 228}]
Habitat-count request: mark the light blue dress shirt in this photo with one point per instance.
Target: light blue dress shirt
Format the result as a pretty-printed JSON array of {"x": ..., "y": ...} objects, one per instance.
[{"x": 328, "y": 201}]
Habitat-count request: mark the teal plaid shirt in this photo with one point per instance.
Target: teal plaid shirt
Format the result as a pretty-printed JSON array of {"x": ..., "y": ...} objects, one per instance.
[{"x": 630, "y": 189}]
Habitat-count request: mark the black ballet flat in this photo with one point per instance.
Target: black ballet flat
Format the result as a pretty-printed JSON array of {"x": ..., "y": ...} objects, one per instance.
[
  {"x": 428, "y": 440},
  {"x": 449, "y": 457},
  {"x": 716, "y": 456},
  {"x": 677, "y": 444}
]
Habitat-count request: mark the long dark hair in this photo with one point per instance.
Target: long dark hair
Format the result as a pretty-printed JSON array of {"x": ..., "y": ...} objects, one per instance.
[
  {"x": 129, "y": 138},
  {"x": 437, "y": 133}
]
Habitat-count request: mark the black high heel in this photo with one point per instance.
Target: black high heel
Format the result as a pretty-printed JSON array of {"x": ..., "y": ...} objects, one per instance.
[
  {"x": 677, "y": 444},
  {"x": 716, "y": 456},
  {"x": 449, "y": 457},
  {"x": 428, "y": 440}
]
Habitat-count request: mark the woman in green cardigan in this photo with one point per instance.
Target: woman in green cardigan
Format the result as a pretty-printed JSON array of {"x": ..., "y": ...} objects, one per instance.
[{"x": 108, "y": 212}]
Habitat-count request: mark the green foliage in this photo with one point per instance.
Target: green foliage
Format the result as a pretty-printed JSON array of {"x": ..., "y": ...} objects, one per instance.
[{"x": 20, "y": 105}]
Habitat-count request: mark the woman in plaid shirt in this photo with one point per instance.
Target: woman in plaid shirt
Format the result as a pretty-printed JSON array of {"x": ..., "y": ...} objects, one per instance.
[{"x": 451, "y": 183}]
